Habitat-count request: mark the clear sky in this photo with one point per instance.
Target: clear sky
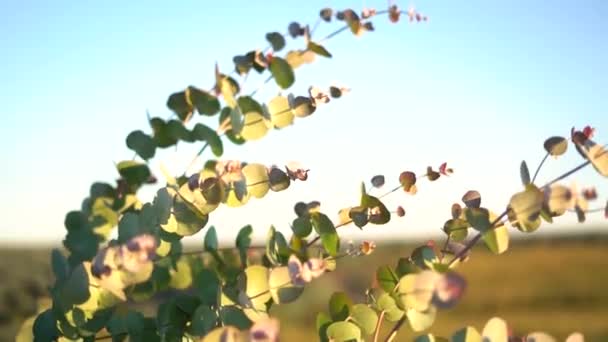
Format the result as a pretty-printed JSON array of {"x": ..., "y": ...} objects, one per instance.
[{"x": 480, "y": 86}]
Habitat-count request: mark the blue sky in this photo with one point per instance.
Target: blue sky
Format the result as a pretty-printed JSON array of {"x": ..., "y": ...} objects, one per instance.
[{"x": 480, "y": 86}]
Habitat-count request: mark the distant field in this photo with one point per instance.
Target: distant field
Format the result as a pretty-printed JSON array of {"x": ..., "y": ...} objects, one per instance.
[{"x": 556, "y": 285}]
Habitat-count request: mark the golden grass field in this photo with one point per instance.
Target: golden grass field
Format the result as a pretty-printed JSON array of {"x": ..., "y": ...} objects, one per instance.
[{"x": 557, "y": 285}]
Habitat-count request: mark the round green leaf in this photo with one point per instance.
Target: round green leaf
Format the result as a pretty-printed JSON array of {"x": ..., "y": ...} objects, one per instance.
[
  {"x": 343, "y": 332},
  {"x": 76, "y": 288},
  {"x": 340, "y": 306},
  {"x": 205, "y": 103},
  {"x": 256, "y": 176},
  {"x": 255, "y": 126},
  {"x": 204, "y": 133},
  {"x": 282, "y": 72},
  {"x": 478, "y": 218},
  {"x": 386, "y": 303},
  {"x": 203, "y": 320},
  {"x": 180, "y": 104},
  {"x": 387, "y": 279},
  {"x": 232, "y": 315},
  {"x": 45, "y": 327},
  {"x": 364, "y": 317},
  {"x": 282, "y": 289},
  {"x": 211, "y": 242},
  {"x": 133, "y": 172},
  {"x": 276, "y": 40},
  {"x": 208, "y": 285},
  {"x": 302, "y": 227},
  {"x": 142, "y": 144},
  {"x": 280, "y": 112}
]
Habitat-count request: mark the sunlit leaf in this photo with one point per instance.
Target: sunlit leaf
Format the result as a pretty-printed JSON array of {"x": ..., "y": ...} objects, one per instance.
[
  {"x": 281, "y": 287},
  {"x": 556, "y": 146},
  {"x": 303, "y": 106},
  {"x": 280, "y": 111},
  {"x": 257, "y": 286},
  {"x": 497, "y": 239},
  {"x": 421, "y": 320},
  {"x": 181, "y": 277},
  {"x": 495, "y": 330},
  {"x": 598, "y": 156},
  {"x": 343, "y": 332},
  {"x": 526, "y": 207}
]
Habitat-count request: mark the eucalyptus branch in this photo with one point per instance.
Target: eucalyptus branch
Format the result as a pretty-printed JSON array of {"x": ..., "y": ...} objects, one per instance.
[
  {"x": 379, "y": 325},
  {"x": 540, "y": 166},
  {"x": 569, "y": 173},
  {"x": 395, "y": 329}
]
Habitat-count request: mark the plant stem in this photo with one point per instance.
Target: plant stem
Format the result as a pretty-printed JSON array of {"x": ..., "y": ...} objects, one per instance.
[
  {"x": 395, "y": 329},
  {"x": 196, "y": 156},
  {"x": 378, "y": 325},
  {"x": 582, "y": 165},
  {"x": 539, "y": 167}
]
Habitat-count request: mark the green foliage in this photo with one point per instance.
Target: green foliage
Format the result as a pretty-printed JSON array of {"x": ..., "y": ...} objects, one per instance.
[{"x": 225, "y": 299}]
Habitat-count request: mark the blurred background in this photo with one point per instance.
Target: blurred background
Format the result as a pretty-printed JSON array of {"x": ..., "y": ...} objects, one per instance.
[{"x": 480, "y": 85}]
